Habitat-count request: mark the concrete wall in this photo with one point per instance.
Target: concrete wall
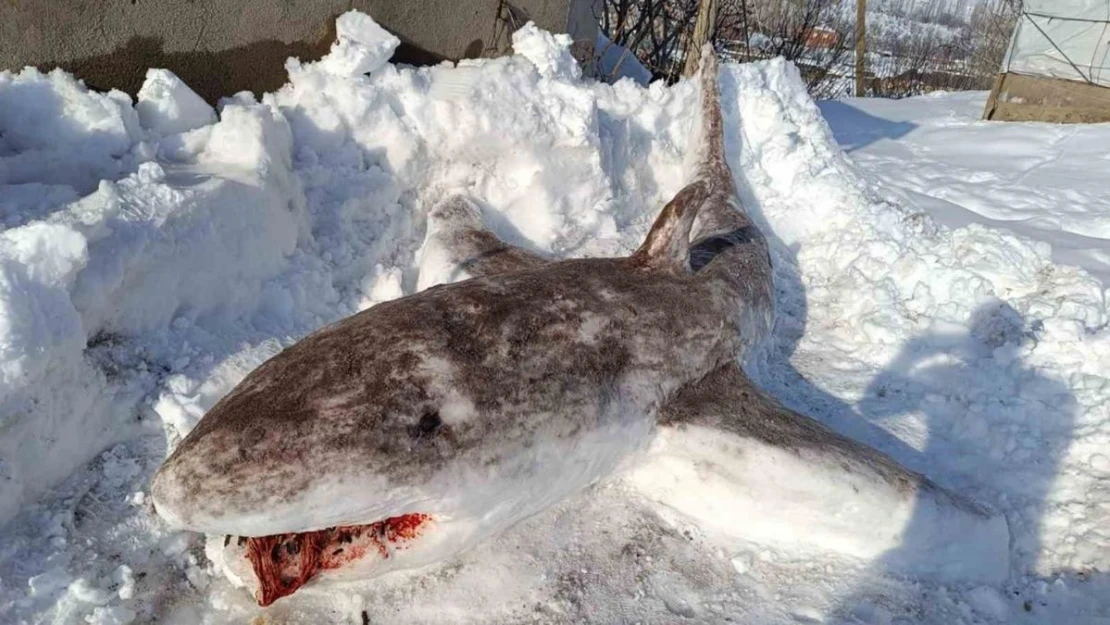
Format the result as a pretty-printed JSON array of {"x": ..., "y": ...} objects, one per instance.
[
  {"x": 1020, "y": 98},
  {"x": 220, "y": 47}
]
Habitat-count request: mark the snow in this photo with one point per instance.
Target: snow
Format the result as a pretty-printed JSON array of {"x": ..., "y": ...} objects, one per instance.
[
  {"x": 59, "y": 140},
  {"x": 940, "y": 284},
  {"x": 166, "y": 105},
  {"x": 1035, "y": 180},
  {"x": 362, "y": 46},
  {"x": 549, "y": 53}
]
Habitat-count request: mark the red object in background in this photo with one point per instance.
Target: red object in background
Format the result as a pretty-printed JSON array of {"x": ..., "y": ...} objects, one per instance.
[{"x": 821, "y": 37}]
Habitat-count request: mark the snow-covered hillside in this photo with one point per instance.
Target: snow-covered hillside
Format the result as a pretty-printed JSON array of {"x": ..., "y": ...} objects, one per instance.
[{"x": 154, "y": 253}]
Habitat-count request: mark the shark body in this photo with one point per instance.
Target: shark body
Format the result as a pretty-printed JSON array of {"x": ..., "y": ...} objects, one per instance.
[{"x": 470, "y": 406}]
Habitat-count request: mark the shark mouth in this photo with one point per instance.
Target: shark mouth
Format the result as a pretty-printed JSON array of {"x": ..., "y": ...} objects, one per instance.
[{"x": 285, "y": 562}]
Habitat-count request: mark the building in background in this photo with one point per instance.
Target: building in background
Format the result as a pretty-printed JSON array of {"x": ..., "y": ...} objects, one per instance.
[
  {"x": 823, "y": 38},
  {"x": 220, "y": 47},
  {"x": 1057, "y": 68}
]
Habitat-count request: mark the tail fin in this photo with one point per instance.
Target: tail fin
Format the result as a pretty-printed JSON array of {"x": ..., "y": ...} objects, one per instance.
[
  {"x": 709, "y": 151},
  {"x": 668, "y": 243}
]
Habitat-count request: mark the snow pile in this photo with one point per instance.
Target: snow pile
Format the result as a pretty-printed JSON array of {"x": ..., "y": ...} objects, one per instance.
[
  {"x": 362, "y": 46},
  {"x": 167, "y": 106},
  {"x": 549, "y": 53},
  {"x": 129, "y": 259},
  {"x": 1031, "y": 365},
  {"x": 46, "y": 390},
  {"x": 158, "y": 237},
  {"x": 969, "y": 344},
  {"x": 59, "y": 140},
  {"x": 130, "y": 305}
]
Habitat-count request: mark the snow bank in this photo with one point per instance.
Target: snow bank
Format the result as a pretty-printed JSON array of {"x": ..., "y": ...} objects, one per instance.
[
  {"x": 58, "y": 141},
  {"x": 145, "y": 276},
  {"x": 971, "y": 345},
  {"x": 549, "y": 53},
  {"x": 158, "y": 238},
  {"x": 88, "y": 288}
]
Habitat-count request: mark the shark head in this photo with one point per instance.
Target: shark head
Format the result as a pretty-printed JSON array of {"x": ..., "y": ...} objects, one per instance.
[
  {"x": 399, "y": 436},
  {"x": 406, "y": 408},
  {"x": 455, "y": 407}
]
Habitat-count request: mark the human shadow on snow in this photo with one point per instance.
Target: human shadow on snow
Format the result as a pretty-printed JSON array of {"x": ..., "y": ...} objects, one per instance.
[
  {"x": 997, "y": 428},
  {"x": 855, "y": 129},
  {"x": 997, "y": 432}
]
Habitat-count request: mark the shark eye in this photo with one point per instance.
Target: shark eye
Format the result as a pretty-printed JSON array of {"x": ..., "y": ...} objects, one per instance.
[{"x": 428, "y": 424}]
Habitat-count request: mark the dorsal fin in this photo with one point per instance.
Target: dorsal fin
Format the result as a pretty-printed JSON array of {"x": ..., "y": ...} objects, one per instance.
[{"x": 667, "y": 245}]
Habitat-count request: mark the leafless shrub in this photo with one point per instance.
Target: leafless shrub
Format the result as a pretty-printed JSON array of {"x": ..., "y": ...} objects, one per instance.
[
  {"x": 653, "y": 30},
  {"x": 658, "y": 32},
  {"x": 992, "y": 24},
  {"x": 817, "y": 35},
  {"x": 969, "y": 60},
  {"x": 913, "y": 46}
]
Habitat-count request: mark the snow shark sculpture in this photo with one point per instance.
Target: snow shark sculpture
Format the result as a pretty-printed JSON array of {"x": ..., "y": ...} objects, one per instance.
[{"x": 419, "y": 427}]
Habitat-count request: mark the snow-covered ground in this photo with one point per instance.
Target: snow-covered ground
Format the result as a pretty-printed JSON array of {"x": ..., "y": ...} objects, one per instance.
[
  {"x": 929, "y": 300},
  {"x": 1041, "y": 181}
]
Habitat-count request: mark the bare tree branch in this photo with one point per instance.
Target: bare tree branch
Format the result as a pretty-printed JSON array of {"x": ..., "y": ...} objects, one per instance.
[{"x": 912, "y": 47}]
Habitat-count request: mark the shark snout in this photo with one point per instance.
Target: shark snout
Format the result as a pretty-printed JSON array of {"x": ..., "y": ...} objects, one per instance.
[{"x": 171, "y": 500}]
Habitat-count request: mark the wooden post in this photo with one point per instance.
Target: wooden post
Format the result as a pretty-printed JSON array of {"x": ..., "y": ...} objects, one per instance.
[
  {"x": 703, "y": 30},
  {"x": 861, "y": 45},
  {"x": 992, "y": 100}
]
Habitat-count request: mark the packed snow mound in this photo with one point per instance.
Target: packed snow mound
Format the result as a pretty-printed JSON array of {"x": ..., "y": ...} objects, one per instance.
[
  {"x": 131, "y": 258},
  {"x": 549, "y": 53},
  {"x": 141, "y": 277}
]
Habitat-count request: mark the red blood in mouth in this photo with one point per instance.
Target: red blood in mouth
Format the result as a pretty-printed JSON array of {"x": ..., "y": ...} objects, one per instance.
[{"x": 285, "y": 562}]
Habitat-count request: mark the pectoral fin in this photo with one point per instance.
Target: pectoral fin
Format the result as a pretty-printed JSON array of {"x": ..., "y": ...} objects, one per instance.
[
  {"x": 458, "y": 245},
  {"x": 734, "y": 458}
]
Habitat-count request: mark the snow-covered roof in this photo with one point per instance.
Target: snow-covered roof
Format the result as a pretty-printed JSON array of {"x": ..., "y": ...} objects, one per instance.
[{"x": 1067, "y": 39}]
